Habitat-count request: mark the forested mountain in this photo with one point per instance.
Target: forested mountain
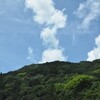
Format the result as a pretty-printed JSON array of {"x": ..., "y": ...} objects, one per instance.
[{"x": 52, "y": 81}]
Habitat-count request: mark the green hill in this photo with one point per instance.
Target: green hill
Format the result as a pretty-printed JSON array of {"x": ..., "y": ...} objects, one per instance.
[{"x": 52, "y": 81}]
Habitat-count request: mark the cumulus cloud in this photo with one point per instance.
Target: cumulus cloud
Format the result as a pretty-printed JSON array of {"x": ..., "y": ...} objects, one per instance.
[
  {"x": 88, "y": 12},
  {"x": 30, "y": 54},
  {"x": 52, "y": 55},
  {"x": 52, "y": 19},
  {"x": 48, "y": 36},
  {"x": 45, "y": 13},
  {"x": 95, "y": 53},
  {"x": 43, "y": 10}
]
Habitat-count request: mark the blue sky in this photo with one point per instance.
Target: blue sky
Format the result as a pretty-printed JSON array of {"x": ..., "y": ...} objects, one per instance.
[{"x": 67, "y": 30}]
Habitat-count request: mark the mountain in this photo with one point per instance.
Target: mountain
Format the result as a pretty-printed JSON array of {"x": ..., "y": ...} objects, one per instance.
[{"x": 52, "y": 81}]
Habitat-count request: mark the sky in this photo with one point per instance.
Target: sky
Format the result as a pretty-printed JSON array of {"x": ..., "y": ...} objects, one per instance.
[{"x": 39, "y": 31}]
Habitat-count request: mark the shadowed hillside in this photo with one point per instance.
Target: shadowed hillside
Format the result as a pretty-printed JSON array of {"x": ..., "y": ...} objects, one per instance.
[{"x": 52, "y": 81}]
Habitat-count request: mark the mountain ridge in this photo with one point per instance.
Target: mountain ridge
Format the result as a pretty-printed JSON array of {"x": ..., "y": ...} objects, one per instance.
[{"x": 52, "y": 81}]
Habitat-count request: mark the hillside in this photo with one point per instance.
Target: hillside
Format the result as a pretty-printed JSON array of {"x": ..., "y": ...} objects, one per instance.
[{"x": 52, "y": 81}]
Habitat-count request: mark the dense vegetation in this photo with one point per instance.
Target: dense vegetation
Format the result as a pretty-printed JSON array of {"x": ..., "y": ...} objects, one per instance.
[{"x": 52, "y": 81}]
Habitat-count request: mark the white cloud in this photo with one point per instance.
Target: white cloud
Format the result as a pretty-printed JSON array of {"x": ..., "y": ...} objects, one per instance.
[
  {"x": 30, "y": 54},
  {"x": 48, "y": 36},
  {"x": 45, "y": 12},
  {"x": 88, "y": 12},
  {"x": 52, "y": 19},
  {"x": 53, "y": 55},
  {"x": 95, "y": 53}
]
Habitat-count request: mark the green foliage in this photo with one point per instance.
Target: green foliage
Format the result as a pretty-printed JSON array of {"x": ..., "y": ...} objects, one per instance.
[
  {"x": 21, "y": 75},
  {"x": 77, "y": 80},
  {"x": 52, "y": 81},
  {"x": 96, "y": 71}
]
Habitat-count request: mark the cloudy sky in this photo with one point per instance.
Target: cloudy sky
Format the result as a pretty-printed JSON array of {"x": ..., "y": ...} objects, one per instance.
[{"x": 39, "y": 31}]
